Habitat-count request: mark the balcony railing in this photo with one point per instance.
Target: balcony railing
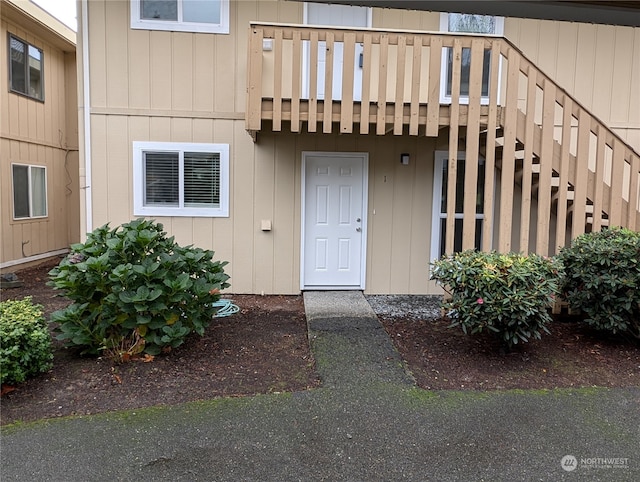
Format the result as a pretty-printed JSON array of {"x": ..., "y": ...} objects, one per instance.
[
  {"x": 382, "y": 78},
  {"x": 569, "y": 171}
]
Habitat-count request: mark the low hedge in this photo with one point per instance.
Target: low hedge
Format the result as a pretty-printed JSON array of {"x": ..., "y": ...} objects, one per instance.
[
  {"x": 603, "y": 279},
  {"x": 506, "y": 294},
  {"x": 25, "y": 343}
]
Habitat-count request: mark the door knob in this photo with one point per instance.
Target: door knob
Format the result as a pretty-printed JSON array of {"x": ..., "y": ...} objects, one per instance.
[{"x": 358, "y": 229}]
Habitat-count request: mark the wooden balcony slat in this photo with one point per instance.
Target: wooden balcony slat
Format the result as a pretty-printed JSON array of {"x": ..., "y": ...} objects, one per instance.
[
  {"x": 546, "y": 167},
  {"x": 472, "y": 146},
  {"x": 415, "y": 86},
  {"x": 633, "y": 191},
  {"x": 254, "y": 94},
  {"x": 296, "y": 72},
  {"x": 563, "y": 171},
  {"x": 599, "y": 181},
  {"x": 328, "y": 83},
  {"x": 582, "y": 173},
  {"x": 617, "y": 176},
  {"x": 381, "y": 110},
  {"x": 525, "y": 208},
  {"x": 452, "y": 161},
  {"x": 490, "y": 150},
  {"x": 366, "y": 84},
  {"x": 435, "y": 61},
  {"x": 399, "y": 98},
  {"x": 508, "y": 158},
  {"x": 346, "y": 102},
  {"x": 313, "y": 85},
  {"x": 277, "y": 83}
]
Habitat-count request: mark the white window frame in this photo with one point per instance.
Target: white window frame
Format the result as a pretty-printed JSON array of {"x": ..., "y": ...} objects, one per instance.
[
  {"x": 441, "y": 157},
  {"x": 180, "y": 26},
  {"x": 29, "y": 184},
  {"x": 306, "y": 55},
  {"x": 464, "y": 99},
  {"x": 139, "y": 209}
]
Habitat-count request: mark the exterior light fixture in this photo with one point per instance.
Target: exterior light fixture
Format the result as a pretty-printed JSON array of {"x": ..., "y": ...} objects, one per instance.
[{"x": 404, "y": 159}]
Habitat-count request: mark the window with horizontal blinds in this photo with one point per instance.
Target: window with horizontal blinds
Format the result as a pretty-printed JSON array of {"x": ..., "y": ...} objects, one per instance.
[
  {"x": 161, "y": 179},
  {"x": 180, "y": 179},
  {"x": 201, "y": 179}
]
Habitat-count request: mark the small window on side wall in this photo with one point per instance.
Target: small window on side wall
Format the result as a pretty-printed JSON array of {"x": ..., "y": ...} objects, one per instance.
[
  {"x": 29, "y": 191},
  {"x": 206, "y": 16},
  {"x": 174, "y": 179},
  {"x": 26, "y": 69}
]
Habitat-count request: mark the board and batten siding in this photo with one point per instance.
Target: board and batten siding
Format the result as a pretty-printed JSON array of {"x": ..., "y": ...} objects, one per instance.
[
  {"x": 598, "y": 64},
  {"x": 42, "y": 134},
  {"x": 265, "y": 184},
  {"x": 183, "y": 87}
]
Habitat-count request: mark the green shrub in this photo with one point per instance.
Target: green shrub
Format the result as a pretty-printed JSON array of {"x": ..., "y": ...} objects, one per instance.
[
  {"x": 135, "y": 290},
  {"x": 25, "y": 344},
  {"x": 506, "y": 294},
  {"x": 603, "y": 279}
]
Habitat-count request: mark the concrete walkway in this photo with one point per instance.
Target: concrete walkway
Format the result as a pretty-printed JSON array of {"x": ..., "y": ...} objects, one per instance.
[
  {"x": 368, "y": 423},
  {"x": 350, "y": 346}
]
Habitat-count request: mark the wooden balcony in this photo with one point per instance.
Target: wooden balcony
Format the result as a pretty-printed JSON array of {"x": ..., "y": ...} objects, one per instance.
[
  {"x": 396, "y": 76},
  {"x": 570, "y": 171}
]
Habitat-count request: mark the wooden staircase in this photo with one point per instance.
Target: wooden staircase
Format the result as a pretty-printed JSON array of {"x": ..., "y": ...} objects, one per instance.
[
  {"x": 570, "y": 173},
  {"x": 559, "y": 170}
]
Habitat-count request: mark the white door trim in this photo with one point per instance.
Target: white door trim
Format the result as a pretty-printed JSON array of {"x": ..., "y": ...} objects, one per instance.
[{"x": 365, "y": 196}]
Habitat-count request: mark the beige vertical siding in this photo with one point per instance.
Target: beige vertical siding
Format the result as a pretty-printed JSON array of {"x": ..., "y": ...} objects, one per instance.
[
  {"x": 182, "y": 87},
  {"x": 598, "y": 64},
  {"x": 42, "y": 134},
  {"x": 265, "y": 184}
]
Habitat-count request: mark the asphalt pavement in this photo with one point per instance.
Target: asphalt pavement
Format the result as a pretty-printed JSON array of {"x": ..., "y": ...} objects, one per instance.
[{"x": 368, "y": 422}]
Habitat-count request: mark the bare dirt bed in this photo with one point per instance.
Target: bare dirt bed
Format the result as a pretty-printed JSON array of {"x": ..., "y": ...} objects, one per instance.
[
  {"x": 572, "y": 355},
  {"x": 261, "y": 349},
  {"x": 264, "y": 348}
]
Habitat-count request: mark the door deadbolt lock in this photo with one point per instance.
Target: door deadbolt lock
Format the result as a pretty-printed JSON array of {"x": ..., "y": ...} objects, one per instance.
[{"x": 357, "y": 220}]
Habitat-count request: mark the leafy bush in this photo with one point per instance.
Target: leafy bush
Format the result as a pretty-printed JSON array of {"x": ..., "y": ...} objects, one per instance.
[
  {"x": 25, "y": 344},
  {"x": 603, "y": 279},
  {"x": 507, "y": 294},
  {"x": 135, "y": 290}
]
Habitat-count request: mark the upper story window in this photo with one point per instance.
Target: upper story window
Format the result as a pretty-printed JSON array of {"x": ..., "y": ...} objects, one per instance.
[
  {"x": 29, "y": 191},
  {"x": 26, "y": 68},
  {"x": 468, "y": 23},
  {"x": 207, "y": 16},
  {"x": 175, "y": 179}
]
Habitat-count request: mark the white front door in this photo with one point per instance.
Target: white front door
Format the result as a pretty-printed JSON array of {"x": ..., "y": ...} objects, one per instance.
[
  {"x": 339, "y": 16},
  {"x": 334, "y": 226}
]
